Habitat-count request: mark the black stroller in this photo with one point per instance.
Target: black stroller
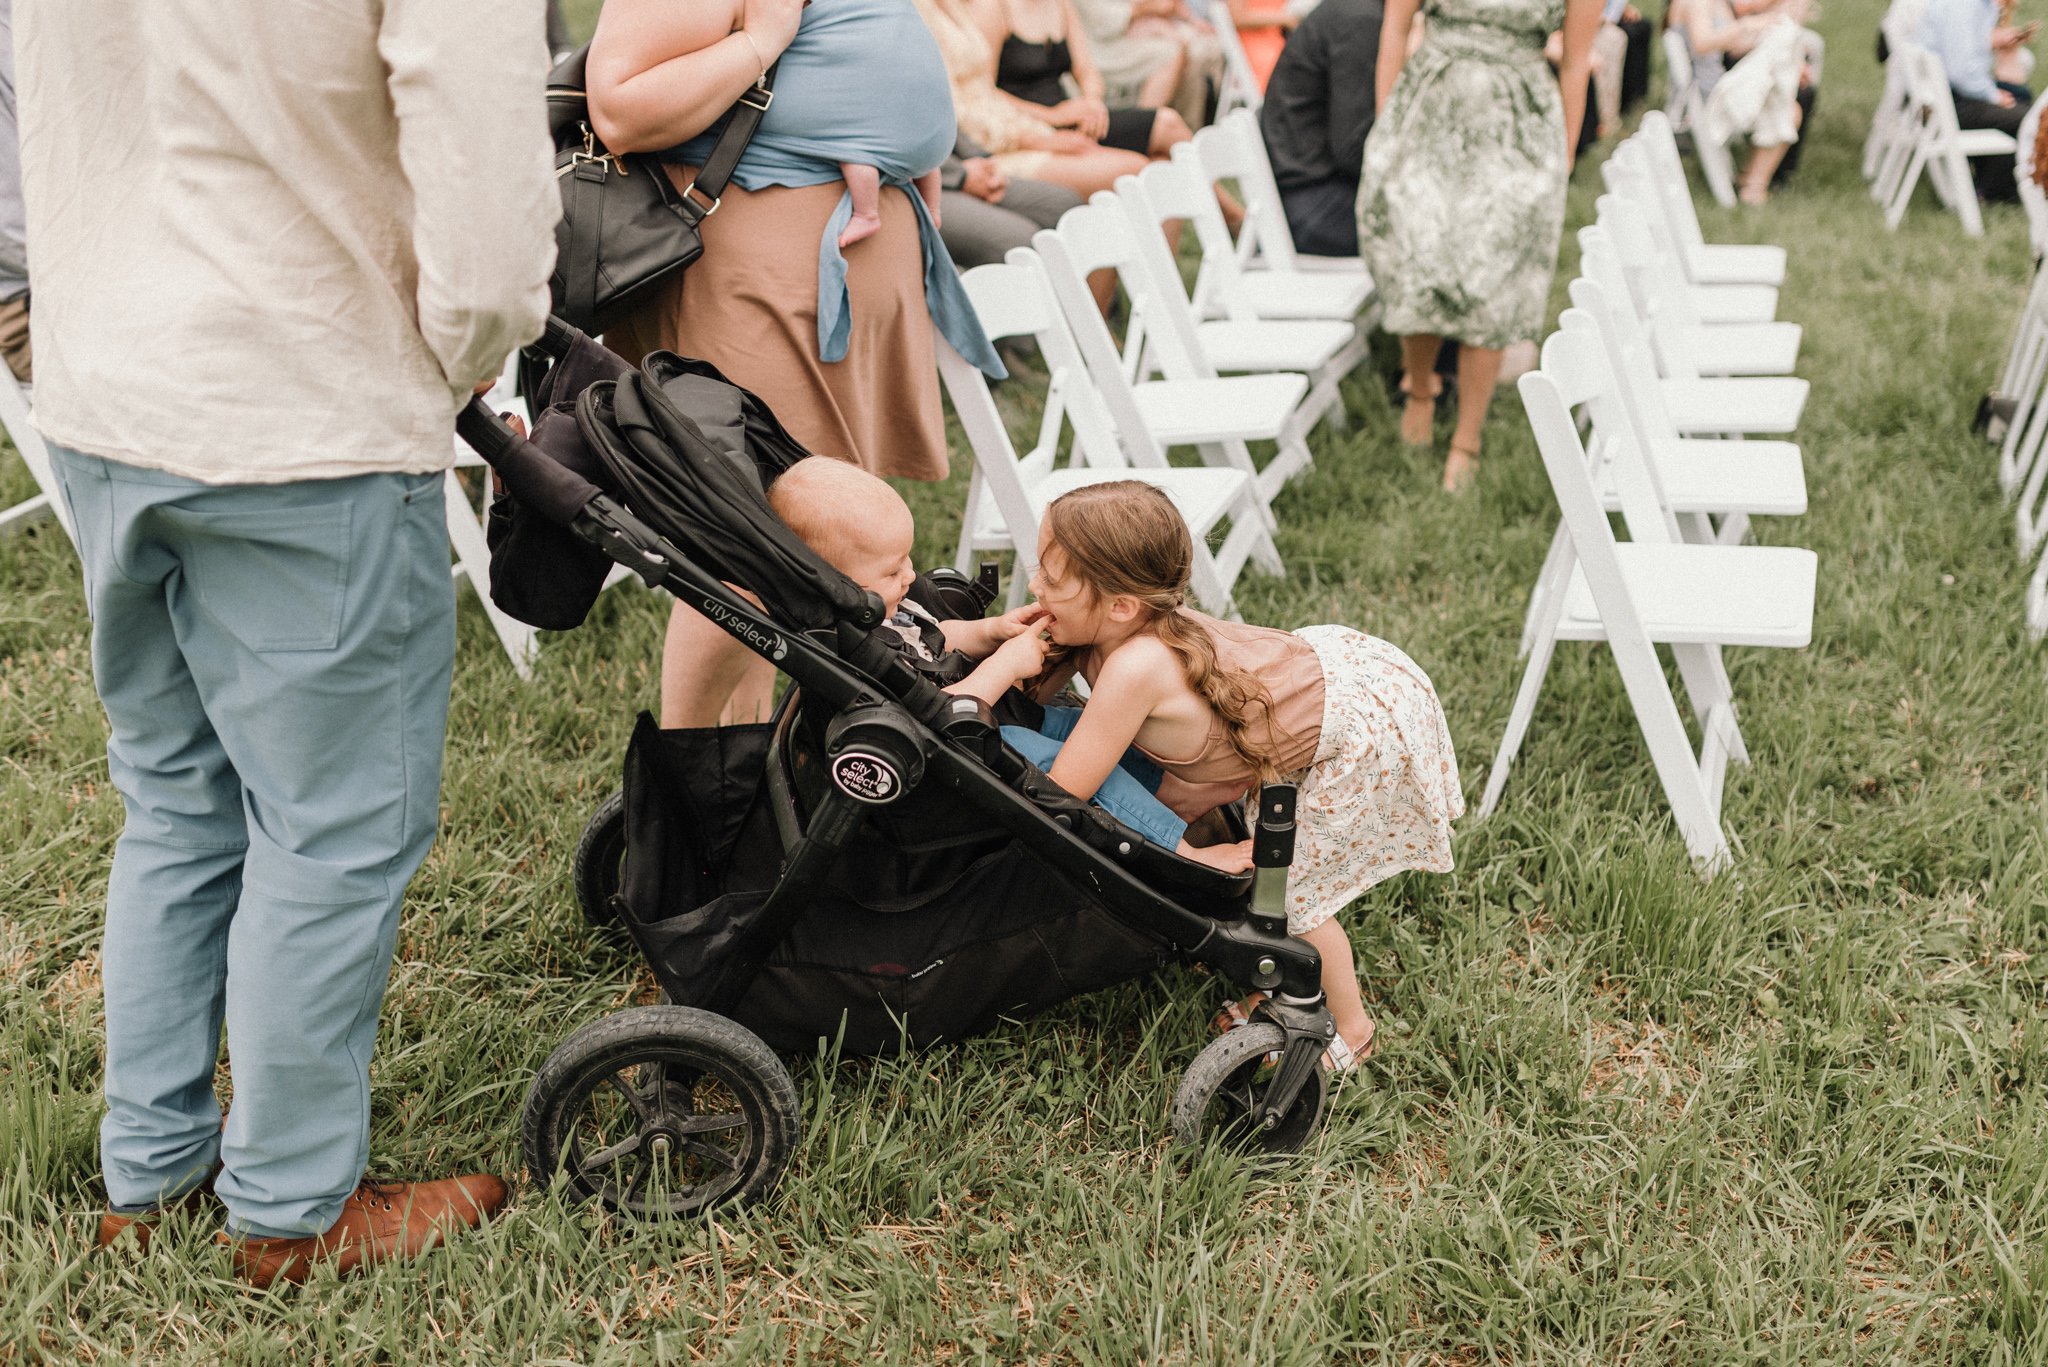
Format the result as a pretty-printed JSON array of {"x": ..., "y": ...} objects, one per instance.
[{"x": 873, "y": 867}]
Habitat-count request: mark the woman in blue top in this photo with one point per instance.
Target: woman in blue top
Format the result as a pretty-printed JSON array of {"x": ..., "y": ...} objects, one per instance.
[{"x": 838, "y": 344}]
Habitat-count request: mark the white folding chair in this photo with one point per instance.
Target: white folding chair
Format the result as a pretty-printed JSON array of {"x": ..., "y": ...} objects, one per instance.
[
  {"x": 1008, "y": 494},
  {"x": 1700, "y": 406},
  {"x": 1889, "y": 121},
  {"x": 1240, "y": 85},
  {"x": 1225, "y": 289},
  {"x": 1653, "y": 153},
  {"x": 1175, "y": 343},
  {"x": 1646, "y": 592},
  {"x": 1936, "y": 143},
  {"x": 2037, "y": 600},
  {"x": 1687, "y": 110},
  {"x": 1695, "y": 482},
  {"x": 1216, "y": 416},
  {"x": 48, "y": 500},
  {"x": 1233, "y": 149},
  {"x": 1663, "y": 299}
]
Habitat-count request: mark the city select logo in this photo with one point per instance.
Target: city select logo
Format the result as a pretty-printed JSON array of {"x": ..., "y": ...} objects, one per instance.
[
  {"x": 864, "y": 777},
  {"x": 747, "y": 629}
]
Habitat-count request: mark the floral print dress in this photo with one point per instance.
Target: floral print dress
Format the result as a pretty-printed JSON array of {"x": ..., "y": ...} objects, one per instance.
[{"x": 1461, "y": 203}]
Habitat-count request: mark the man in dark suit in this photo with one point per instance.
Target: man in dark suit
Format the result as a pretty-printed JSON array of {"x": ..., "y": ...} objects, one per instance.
[{"x": 1319, "y": 107}]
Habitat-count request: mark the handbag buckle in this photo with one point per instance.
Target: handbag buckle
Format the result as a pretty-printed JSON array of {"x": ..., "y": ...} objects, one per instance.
[
  {"x": 590, "y": 156},
  {"x": 716, "y": 200},
  {"x": 757, "y": 96}
]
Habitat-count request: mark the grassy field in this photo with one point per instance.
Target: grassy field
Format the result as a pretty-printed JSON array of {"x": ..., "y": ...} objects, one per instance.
[{"x": 1794, "y": 1115}]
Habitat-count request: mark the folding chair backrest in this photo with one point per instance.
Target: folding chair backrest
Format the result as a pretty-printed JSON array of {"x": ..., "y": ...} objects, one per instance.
[
  {"x": 1628, "y": 354},
  {"x": 1240, "y": 87},
  {"x": 1927, "y": 80},
  {"x": 1100, "y": 240},
  {"x": 1216, "y": 280},
  {"x": 1654, "y": 269},
  {"x": 1014, "y": 299},
  {"x": 1680, "y": 100},
  {"x": 1619, "y": 447},
  {"x": 1666, "y": 170},
  {"x": 1157, "y": 293},
  {"x": 1232, "y": 148},
  {"x": 1578, "y": 502}
]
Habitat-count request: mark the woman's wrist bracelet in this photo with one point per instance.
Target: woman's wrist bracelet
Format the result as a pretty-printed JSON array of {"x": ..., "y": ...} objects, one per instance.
[{"x": 759, "y": 60}]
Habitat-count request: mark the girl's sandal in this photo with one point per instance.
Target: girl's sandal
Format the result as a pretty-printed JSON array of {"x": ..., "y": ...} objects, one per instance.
[
  {"x": 1461, "y": 468},
  {"x": 1340, "y": 1058},
  {"x": 1418, "y": 416},
  {"x": 1235, "y": 1013}
]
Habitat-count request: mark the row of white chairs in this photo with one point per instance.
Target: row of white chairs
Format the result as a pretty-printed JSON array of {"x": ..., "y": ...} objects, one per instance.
[
  {"x": 2020, "y": 430},
  {"x": 1640, "y": 408},
  {"x": 1252, "y": 352}
]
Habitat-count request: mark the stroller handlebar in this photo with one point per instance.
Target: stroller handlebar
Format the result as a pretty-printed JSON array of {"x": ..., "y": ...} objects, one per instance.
[{"x": 551, "y": 489}]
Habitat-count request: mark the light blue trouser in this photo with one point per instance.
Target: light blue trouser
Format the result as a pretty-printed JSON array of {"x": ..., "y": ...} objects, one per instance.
[
  {"x": 275, "y": 663},
  {"x": 1127, "y": 794}
]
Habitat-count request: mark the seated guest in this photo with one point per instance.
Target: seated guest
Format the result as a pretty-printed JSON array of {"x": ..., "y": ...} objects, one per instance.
[
  {"x": 1021, "y": 144},
  {"x": 1635, "y": 66},
  {"x": 985, "y": 213},
  {"x": 1966, "y": 35},
  {"x": 1155, "y": 54},
  {"x": 1039, "y": 44},
  {"x": 1757, "y": 97},
  {"x": 1319, "y": 106}
]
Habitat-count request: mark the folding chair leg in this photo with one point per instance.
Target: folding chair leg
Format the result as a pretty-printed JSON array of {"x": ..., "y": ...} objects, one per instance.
[
  {"x": 473, "y": 562},
  {"x": 1544, "y": 645},
  {"x": 1208, "y": 583},
  {"x": 1965, "y": 188},
  {"x": 1705, "y": 676},
  {"x": 1235, "y": 455},
  {"x": 1693, "y": 805},
  {"x": 1549, "y": 580},
  {"x": 1734, "y": 529}
]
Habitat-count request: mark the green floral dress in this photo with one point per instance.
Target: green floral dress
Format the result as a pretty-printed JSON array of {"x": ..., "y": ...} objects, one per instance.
[{"x": 1462, "y": 199}]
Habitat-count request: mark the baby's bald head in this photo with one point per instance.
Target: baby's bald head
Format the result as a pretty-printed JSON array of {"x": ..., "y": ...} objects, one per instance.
[{"x": 854, "y": 520}]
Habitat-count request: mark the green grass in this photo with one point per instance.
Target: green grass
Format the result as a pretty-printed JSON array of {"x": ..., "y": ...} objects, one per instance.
[{"x": 1794, "y": 1115}]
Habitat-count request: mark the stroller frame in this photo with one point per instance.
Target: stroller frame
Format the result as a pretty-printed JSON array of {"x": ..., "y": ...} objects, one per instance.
[{"x": 891, "y": 730}]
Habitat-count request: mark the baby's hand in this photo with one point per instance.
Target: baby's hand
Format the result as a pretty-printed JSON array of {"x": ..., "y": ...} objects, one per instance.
[{"x": 1015, "y": 622}]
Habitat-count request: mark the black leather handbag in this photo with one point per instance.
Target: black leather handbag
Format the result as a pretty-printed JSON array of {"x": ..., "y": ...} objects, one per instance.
[{"x": 625, "y": 229}]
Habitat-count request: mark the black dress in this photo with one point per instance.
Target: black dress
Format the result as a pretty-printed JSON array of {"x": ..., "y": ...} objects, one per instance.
[{"x": 1032, "y": 71}]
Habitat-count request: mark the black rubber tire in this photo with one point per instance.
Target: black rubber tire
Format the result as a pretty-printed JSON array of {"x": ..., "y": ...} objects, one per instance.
[
  {"x": 1224, "y": 1085},
  {"x": 600, "y": 860},
  {"x": 567, "y": 1103}
]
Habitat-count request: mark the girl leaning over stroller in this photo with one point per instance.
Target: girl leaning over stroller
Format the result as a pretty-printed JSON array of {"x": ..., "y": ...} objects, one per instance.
[{"x": 1220, "y": 706}]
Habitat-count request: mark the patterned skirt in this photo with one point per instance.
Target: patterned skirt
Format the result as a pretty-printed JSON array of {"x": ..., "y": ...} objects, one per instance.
[{"x": 1383, "y": 790}]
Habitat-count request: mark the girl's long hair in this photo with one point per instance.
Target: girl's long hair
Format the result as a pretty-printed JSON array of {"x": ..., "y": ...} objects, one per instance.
[{"x": 1126, "y": 538}]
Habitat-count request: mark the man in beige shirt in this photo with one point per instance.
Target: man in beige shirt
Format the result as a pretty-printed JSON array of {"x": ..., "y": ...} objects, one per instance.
[{"x": 277, "y": 245}]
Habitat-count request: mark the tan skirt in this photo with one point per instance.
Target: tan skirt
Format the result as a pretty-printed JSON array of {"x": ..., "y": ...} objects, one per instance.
[{"x": 750, "y": 307}]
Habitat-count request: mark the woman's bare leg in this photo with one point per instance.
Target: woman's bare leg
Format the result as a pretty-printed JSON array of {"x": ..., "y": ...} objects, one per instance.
[
  {"x": 1419, "y": 381},
  {"x": 1096, "y": 169},
  {"x": 1168, "y": 131},
  {"x": 1157, "y": 91},
  {"x": 710, "y": 679},
  {"x": 1478, "y": 372}
]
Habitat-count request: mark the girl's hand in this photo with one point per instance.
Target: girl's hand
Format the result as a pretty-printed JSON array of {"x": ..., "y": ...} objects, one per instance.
[{"x": 1021, "y": 657}]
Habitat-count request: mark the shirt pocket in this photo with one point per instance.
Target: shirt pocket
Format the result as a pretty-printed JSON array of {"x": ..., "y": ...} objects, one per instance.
[{"x": 276, "y": 579}]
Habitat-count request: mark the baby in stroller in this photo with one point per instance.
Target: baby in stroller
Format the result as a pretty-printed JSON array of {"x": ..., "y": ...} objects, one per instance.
[{"x": 864, "y": 529}]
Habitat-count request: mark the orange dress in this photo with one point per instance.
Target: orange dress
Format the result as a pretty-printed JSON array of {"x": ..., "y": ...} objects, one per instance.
[{"x": 1262, "y": 45}]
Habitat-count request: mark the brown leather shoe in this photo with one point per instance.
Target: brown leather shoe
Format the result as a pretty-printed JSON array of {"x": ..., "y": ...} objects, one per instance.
[
  {"x": 113, "y": 1224},
  {"x": 379, "y": 1222}
]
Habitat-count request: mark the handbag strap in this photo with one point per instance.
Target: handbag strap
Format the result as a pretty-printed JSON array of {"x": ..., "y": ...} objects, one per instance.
[{"x": 745, "y": 117}]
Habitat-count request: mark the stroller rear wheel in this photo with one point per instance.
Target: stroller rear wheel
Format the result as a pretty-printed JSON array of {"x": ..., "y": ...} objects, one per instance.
[
  {"x": 662, "y": 1110},
  {"x": 600, "y": 858},
  {"x": 1220, "y": 1097}
]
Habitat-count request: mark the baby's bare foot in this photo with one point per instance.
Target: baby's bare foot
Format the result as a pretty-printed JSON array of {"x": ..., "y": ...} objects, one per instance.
[
  {"x": 1232, "y": 858},
  {"x": 858, "y": 227}
]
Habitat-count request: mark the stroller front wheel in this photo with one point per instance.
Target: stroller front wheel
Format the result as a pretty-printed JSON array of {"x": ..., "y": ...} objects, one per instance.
[
  {"x": 662, "y": 1110},
  {"x": 600, "y": 858},
  {"x": 1225, "y": 1087}
]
